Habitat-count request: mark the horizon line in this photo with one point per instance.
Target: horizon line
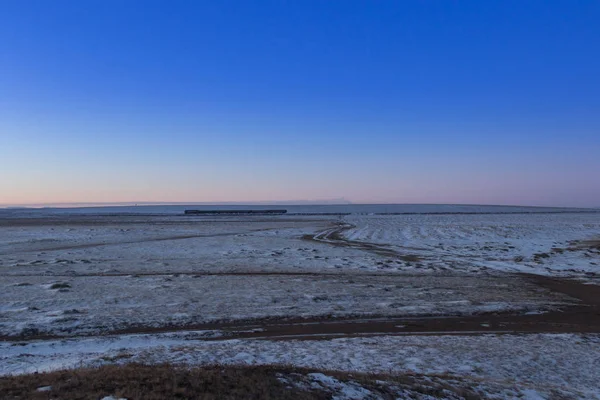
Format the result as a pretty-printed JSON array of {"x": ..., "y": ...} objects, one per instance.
[{"x": 332, "y": 202}]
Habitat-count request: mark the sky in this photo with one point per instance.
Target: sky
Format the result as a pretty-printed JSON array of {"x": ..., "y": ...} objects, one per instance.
[{"x": 470, "y": 102}]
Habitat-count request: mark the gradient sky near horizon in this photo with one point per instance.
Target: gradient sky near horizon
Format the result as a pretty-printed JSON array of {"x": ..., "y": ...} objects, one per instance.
[{"x": 487, "y": 102}]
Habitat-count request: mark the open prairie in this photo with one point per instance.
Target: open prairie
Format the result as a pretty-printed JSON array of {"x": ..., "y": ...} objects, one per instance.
[{"x": 469, "y": 296}]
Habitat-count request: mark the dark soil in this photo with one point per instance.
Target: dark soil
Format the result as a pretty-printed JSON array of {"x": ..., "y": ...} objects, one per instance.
[
  {"x": 158, "y": 382},
  {"x": 153, "y": 383}
]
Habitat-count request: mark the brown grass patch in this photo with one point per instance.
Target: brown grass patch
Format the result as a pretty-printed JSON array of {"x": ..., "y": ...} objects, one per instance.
[
  {"x": 410, "y": 258},
  {"x": 593, "y": 244},
  {"x": 137, "y": 381},
  {"x": 60, "y": 285},
  {"x": 134, "y": 381}
]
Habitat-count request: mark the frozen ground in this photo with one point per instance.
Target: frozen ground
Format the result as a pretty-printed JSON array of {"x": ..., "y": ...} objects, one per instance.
[
  {"x": 79, "y": 276},
  {"x": 92, "y": 305},
  {"x": 169, "y": 245},
  {"x": 548, "y": 365},
  {"x": 532, "y": 243},
  {"x": 72, "y": 276}
]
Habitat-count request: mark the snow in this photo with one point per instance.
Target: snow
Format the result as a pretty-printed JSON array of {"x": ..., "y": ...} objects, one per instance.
[
  {"x": 115, "y": 273},
  {"x": 468, "y": 243},
  {"x": 529, "y": 394},
  {"x": 498, "y": 242},
  {"x": 95, "y": 304},
  {"x": 568, "y": 363},
  {"x": 341, "y": 390},
  {"x": 414, "y": 386}
]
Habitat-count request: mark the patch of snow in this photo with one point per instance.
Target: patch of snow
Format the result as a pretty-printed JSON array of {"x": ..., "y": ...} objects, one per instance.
[
  {"x": 341, "y": 390},
  {"x": 530, "y": 394},
  {"x": 533, "y": 243},
  {"x": 542, "y": 362}
]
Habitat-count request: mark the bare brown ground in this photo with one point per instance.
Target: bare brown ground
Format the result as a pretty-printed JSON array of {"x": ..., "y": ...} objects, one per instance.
[
  {"x": 589, "y": 244},
  {"x": 153, "y": 383},
  {"x": 158, "y": 382}
]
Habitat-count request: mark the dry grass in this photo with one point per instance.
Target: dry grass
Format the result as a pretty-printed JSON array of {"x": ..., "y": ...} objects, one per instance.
[
  {"x": 410, "y": 258},
  {"x": 592, "y": 244},
  {"x": 137, "y": 381},
  {"x": 60, "y": 286}
]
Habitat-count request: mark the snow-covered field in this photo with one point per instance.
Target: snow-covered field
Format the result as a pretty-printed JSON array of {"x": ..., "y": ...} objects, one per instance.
[
  {"x": 91, "y": 277},
  {"x": 533, "y": 243},
  {"x": 92, "y": 305},
  {"x": 548, "y": 365},
  {"x": 73, "y": 276}
]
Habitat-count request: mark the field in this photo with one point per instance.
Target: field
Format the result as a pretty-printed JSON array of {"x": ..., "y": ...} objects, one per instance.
[{"x": 495, "y": 304}]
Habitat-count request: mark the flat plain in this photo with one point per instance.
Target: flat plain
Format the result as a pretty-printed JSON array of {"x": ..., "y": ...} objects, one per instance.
[{"x": 506, "y": 303}]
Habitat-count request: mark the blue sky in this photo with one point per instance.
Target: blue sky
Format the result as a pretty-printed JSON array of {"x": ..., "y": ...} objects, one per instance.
[{"x": 374, "y": 101}]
